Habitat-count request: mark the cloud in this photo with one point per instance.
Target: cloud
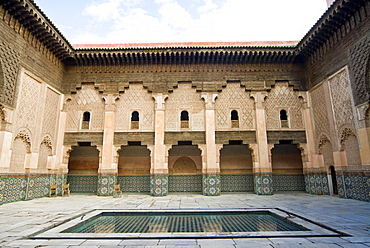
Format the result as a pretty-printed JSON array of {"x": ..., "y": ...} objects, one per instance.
[{"x": 229, "y": 20}]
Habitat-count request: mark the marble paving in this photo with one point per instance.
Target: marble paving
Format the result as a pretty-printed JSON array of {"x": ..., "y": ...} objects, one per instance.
[{"x": 19, "y": 220}]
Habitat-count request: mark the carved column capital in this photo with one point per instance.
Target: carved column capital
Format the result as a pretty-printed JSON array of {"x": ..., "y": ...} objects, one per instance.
[
  {"x": 209, "y": 99},
  {"x": 110, "y": 102},
  {"x": 259, "y": 98},
  {"x": 159, "y": 100}
]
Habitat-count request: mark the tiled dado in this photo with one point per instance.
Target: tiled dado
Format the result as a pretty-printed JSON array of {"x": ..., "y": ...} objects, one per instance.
[
  {"x": 106, "y": 183},
  {"x": 158, "y": 184},
  {"x": 28, "y": 186},
  {"x": 237, "y": 183},
  {"x": 185, "y": 183},
  {"x": 83, "y": 183},
  {"x": 288, "y": 182},
  {"x": 263, "y": 183},
  {"x": 354, "y": 185},
  {"x": 317, "y": 183},
  {"x": 211, "y": 184},
  {"x": 138, "y": 183}
]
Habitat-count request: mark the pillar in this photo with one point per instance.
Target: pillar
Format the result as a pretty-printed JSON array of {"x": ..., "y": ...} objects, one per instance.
[
  {"x": 211, "y": 166},
  {"x": 263, "y": 169},
  {"x": 5, "y": 146},
  {"x": 108, "y": 169},
  {"x": 314, "y": 167},
  {"x": 159, "y": 168}
]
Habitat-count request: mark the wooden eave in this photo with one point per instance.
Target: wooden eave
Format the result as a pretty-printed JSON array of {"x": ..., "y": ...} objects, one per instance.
[
  {"x": 333, "y": 25},
  {"x": 332, "y": 22},
  {"x": 29, "y": 15}
]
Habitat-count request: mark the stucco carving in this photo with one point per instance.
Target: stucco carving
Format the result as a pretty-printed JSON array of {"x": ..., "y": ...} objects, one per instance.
[
  {"x": 341, "y": 95},
  {"x": 135, "y": 98},
  {"x": 283, "y": 97},
  {"x": 28, "y": 112},
  {"x": 86, "y": 99},
  {"x": 184, "y": 98},
  {"x": 234, "y": 97},
  {"x": 359, "y": 68},
  {"x": 9, "y": 61}
]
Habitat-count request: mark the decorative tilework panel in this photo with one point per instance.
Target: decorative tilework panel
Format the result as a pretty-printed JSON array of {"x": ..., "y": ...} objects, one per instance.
[
  {"x": 263, "y": 183},
  {"x": 134, "y": 183},
  {"x": 211, "y": 184},
  {"x": 158, "y": 184},
  {"x": 27, "y": 187},
  {"x": 185, "y": 183},
  {"x": 83, "y": 184},
  {"x": 105, "y": 184},
  {"x": 288, "y": 183},
  {"x": 317, "y": 183},
  {"x": 237, "y": 183},
  {"x": 354, "y": 186}
]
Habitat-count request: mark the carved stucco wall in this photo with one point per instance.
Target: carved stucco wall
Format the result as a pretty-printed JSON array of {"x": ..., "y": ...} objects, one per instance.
[
  {"x": 86, "y": 99},
  {"x": 334, "y": 116},
  {"x": 184, "y": 98},
  {"x": 359, "y": 56},
  {"x": 234, "y": 97},
  {"x": 342, "y": 104},
  {"x": 320, "y": 112},
  {"x": 34, "y": 118},
  {"x": 283, "y": 97},
  {"x": 135, "y": 98},
  {"x": 9, "y": 63}
]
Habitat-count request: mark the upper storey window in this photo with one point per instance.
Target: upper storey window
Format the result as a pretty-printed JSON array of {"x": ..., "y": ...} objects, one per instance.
[
  {"x": 85, "y": 120},
  {"x": 234, "y": 119},
  {"x": 184, "y": 119},
  {"x": 284, "y": 119},
  {"x": 135, "y": 120}
]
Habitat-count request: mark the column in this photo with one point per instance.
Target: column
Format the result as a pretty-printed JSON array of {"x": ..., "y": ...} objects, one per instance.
[
  {"x": 5, "y": 144},
  {"x": 159, "y": 169},
  {"x": 211, "y": 166},
  {"x": 108, "y": 169},
  {"x": 262, "y": 169},
  {"x": 364, "y": 133},
  {"x": 314, "y": 167}
]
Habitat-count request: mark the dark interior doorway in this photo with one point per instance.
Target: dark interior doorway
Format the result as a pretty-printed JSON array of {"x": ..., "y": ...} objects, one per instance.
[{"x": 334, "y": 180}]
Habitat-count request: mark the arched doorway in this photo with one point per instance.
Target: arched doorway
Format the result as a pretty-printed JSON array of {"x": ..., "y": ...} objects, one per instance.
[
  {"x": 83, "y": 168},
  {"x": 326, "y": 150},
  {"x": 185, "y": 169},
  {"x": 134, "y": 168},
  {"x": 236, "y": 168},
  {"x": 287, "y": 168}
]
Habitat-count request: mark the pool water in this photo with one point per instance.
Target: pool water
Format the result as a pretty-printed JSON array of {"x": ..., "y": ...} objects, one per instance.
[{"x": 180, "y": 222}]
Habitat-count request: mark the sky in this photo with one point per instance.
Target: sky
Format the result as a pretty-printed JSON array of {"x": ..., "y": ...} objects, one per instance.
[{"x": 156, "y": 21}]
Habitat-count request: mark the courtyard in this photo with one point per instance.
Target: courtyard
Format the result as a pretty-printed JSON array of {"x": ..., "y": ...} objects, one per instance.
[{"x": 21, "y": 220}]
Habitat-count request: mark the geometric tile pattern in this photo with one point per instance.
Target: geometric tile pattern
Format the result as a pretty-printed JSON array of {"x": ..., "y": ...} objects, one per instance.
[
  {"x": 237, "y": 183},
  {"x": 158, "y": 184},
  {"x": 263, "y": 183},
  {"x": 27, "y": 187},
  {"x": 317, "y": 183},
  {"x": 211, "y": 184},
  {"x": 185, "y": 183},
  {"x": 83, "y": 183},
  {"x": 134, "y": 183},
  {"x": 105, "y": 184},
  {"x": 354, "y": 185},
  {"x": 288, "y": 182}
]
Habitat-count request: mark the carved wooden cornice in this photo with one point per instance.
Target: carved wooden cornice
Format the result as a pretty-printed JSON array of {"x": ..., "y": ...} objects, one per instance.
[{"x": 335, "y": 23}]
